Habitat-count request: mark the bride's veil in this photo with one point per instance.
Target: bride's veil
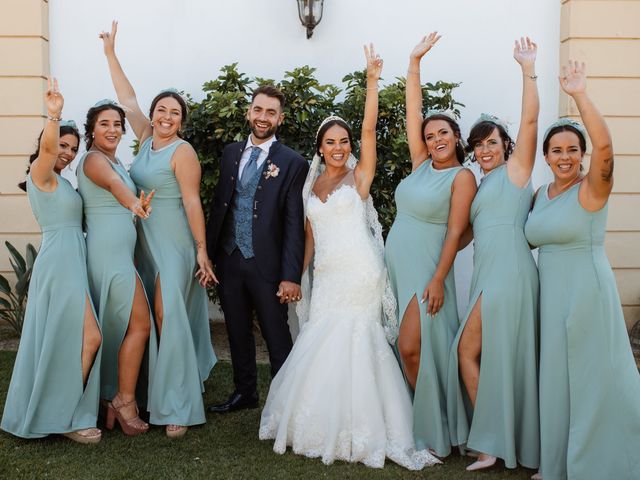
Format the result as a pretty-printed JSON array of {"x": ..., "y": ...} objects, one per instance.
[{"x": 389, "y": 311}]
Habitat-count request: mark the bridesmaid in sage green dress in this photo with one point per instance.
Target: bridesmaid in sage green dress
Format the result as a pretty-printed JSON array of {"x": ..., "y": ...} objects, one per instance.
[
  {"x": 55, "y": 383},
  {"x": 496, "y": 399},
  {"x": 123, "y": 311},
  {"x": 589, "y": 383},
  {"x": 433, "y": 211},
  {"x": 171, "y": 253}
]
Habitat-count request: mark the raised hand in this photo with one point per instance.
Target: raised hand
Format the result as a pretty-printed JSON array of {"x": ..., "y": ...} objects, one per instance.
[
  {"x": 53, "y": 99},
  {"x": 525, "y": 52},
  {"x": 145, "y": 202},
  {"x": 374, "y": 63},
  {"x": 109, "y": 38},
  {"x": 425, "y": 45},
  {"x": 574, "y": 78}
]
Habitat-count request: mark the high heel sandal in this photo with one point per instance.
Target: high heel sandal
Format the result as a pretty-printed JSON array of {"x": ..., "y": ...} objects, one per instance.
[
  {"x": 85, "y": 436},
  {"x": 176, "y": 431},
  {"x": 132, "y": 426}
]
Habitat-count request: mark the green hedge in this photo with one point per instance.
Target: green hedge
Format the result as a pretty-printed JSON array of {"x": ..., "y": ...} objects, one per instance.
[{"x": 219, "y": 119}]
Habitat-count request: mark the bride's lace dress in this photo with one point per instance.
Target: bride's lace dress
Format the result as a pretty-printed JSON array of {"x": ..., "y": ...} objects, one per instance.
[{"x": 341, "y": 394}]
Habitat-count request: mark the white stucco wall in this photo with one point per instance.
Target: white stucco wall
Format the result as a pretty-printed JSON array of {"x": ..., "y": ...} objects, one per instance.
[{"x": 183, "y": 44}]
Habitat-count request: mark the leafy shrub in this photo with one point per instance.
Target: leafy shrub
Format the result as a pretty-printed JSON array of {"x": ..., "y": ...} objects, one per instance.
[
  {"x": 14, "y": 302},
  {"x": 219, "y": 119}
]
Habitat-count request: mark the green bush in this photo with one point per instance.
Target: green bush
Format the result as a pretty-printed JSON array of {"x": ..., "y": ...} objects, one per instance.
[
  {"x": 219, "y": 119},
  {"x": 14, "y": 302}
]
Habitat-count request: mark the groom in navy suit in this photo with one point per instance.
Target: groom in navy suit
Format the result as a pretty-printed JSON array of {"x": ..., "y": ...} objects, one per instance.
[{"x": 255, "y": 237}]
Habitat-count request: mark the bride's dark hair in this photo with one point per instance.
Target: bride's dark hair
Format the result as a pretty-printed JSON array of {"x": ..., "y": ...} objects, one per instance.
[{"x": 323, "y": 129}]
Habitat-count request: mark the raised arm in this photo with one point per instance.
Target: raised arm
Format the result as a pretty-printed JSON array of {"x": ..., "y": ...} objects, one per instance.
[
  {"x": 125, "y": 92},
  {"x": 463, "y": 190},
  {"x": 42, "y": 173},
  {"x": 417, "y": 147},
  {"x": 97, "y": 168},
  {"x": 366, "y": 168},
  {"x": 188, "y": 173},
  {"x": 599, "y": 180},
  {"x": 520, "y": 164}
]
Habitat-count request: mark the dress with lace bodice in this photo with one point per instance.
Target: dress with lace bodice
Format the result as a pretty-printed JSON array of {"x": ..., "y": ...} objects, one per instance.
[{"x": 341, "y": 394}]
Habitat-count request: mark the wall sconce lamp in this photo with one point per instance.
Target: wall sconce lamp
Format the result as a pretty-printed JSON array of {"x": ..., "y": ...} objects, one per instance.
[{"x": 310, "y": 13}]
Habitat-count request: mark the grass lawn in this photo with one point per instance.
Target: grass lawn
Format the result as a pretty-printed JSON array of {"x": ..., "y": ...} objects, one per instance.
[{"x": 226, "y": 447}]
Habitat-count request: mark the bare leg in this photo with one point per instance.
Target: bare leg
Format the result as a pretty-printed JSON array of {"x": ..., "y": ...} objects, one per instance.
[
  {"x": 470, "y": 350},
  {"x": 132, "y": 351},
  {"x": 469, "y": 354},
  {"x": 409, "y": 341},
  {"x": 158, "y": 310},
  {"x": 91, "y": 340}
]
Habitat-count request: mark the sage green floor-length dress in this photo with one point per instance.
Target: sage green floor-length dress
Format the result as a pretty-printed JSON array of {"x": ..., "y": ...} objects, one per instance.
[
  {"x": 46, "y": 394},
  {"x": 505, "y": 420},
  {"x": 111, "y": 241},
  {"x": 589, "y": 383},
  {"x": 412, "y": 254},
  {"x": 167, "y": 253}
]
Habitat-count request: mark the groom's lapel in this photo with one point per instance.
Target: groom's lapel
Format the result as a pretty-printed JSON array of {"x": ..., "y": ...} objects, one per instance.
[{"x": 273, "y": 152}]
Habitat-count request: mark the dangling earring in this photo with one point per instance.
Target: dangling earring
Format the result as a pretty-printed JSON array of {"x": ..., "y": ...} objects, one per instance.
[{"x": 151, "y": 124}]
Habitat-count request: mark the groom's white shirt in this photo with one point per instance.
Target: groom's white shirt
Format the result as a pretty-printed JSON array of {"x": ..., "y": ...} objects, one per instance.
[{"x": 264, "y": 147}]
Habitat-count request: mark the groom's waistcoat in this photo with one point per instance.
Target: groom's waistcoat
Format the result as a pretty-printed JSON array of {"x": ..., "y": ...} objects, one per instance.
[
  {"x": 237, "y": 230},
  {"x": 276, "y": 226}
]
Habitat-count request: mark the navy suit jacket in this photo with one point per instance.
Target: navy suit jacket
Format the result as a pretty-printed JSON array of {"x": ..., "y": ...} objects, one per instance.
[{"x": 278, "y": 214}]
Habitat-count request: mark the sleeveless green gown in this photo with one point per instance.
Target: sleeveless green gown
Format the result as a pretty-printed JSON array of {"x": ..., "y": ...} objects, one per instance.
[
  {"x": 589, "y": 383},
  {"x": 46, "y": 394},
  {"x": 111, "y": 241},
  {"x": 166, "y": 252},
  {"x": 505, "y": 421},
  {"x": 412, "y": 253}
]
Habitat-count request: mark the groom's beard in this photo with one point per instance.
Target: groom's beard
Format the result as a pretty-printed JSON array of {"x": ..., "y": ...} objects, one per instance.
[{"x": 263, "y": 135}]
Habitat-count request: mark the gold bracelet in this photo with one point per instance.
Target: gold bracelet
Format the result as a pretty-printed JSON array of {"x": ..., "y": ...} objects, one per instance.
[
  {"x": 54, "y": 119},
  {"x": 532, "y": 77}
]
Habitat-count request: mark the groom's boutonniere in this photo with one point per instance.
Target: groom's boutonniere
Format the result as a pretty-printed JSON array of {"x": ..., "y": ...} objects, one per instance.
[{"x": 272, "y": 170}]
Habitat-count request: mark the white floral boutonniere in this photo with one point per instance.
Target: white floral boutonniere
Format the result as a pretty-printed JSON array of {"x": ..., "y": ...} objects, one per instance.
[{"x": 272, "y": 171}]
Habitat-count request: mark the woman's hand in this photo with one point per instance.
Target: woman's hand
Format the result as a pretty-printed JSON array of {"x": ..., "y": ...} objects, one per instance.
[
  {"x": 205, "y": 274},
  {"x": 434, "y": 295},
  {"x": 109, "y": 38},
  {"x": 425, "y": 45},
  {"x": 524, "y": 52},
  {"x": 574, "y": 78},
  {"x": 145, "y": 202},
  {"x": 53, "y": 99},
  {"x": 138, "y": 209},
  {"x": 374, "y": 63}
]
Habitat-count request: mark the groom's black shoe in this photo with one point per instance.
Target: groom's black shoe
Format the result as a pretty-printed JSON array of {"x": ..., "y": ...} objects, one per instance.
[{"x": 236, "y": 401}]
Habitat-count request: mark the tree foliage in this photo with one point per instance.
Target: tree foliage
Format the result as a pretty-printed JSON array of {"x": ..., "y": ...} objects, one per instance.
[{"x": 219, "y": 119}]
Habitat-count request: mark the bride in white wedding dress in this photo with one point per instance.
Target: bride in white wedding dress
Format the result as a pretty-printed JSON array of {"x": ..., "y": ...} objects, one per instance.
[{"x": 341, "y": 394}]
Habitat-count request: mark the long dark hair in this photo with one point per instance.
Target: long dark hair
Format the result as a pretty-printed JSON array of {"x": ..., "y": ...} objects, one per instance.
[
  {"x": 460, "y": 153},
  {"x": 174, "y": 95},
  {"x": 482, "y": 130},
  {"x": 92, "y": 117},
  {"x": 64, "y": 130},
  {"x": 327, "y": 126}
]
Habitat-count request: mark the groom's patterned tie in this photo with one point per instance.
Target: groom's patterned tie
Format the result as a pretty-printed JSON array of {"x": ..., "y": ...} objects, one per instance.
[{"x": 250, "y": 168}]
